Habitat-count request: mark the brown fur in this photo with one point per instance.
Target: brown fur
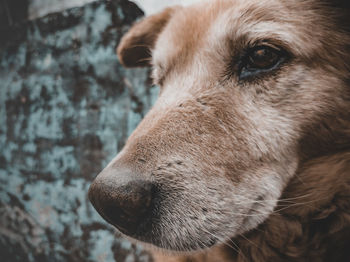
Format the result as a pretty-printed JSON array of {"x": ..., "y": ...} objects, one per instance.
[
  {"x": 311, "y": 224},
  {"x": 261, "y": 166}
]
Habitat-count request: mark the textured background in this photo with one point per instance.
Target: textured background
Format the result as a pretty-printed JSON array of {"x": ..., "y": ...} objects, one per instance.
[
  {"x": 38, "y": 8},
  {"x": 66, "y": 108}
]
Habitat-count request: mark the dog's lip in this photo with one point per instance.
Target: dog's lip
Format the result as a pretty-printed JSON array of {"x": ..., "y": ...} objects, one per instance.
[{"x": 148, "y": 238}]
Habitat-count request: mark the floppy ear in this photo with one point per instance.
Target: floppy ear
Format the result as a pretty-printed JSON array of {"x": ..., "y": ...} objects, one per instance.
[{"x": 134, "y": 50}]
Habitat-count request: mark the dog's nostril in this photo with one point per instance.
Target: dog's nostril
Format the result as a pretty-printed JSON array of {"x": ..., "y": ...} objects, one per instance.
[{"x": 125, "y": 206}]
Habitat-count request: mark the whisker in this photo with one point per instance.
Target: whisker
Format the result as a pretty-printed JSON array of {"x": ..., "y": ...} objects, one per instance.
[{"x": 251, "y": 242}]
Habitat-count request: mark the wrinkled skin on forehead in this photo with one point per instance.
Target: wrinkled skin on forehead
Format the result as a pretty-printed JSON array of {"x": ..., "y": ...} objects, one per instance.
[{"x": 221, "y": 149}]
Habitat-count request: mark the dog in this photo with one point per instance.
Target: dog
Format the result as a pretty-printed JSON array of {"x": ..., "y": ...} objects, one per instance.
[{"x": 245, "y": 156}]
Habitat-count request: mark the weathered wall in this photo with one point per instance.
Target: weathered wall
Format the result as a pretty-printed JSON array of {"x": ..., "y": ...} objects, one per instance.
[
  {"x": 39, "y": 8},
  {"x": 66, "y": 108}
]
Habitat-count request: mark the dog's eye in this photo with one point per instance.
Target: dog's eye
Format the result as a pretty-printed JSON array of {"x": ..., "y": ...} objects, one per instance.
[
  {"x": 262, "y": 58},
  {"x": 259, "y": 60}
]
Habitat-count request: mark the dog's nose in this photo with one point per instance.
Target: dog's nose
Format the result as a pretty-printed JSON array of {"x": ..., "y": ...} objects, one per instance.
[{"x": 121, "y": 201}]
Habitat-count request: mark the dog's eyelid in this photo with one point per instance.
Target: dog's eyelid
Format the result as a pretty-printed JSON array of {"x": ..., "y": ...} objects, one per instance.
[{"x": 273, "y": 43}]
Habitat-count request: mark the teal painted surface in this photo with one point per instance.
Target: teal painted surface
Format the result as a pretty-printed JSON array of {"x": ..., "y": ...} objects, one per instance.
[{"x": 66, "y": 109}]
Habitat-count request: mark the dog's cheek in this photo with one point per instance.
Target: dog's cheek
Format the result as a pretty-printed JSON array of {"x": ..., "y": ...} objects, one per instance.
[{"x": 192, "y": 210}]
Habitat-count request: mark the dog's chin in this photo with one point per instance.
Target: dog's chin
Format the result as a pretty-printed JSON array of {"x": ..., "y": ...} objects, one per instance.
[
  {"x": 171, "y": 245},
  {"x": 163, "y": 243},
  {"x": 181, "y": 247},
  {"x": 150, "y": 241},
  {"x": 155, "y": 235}
]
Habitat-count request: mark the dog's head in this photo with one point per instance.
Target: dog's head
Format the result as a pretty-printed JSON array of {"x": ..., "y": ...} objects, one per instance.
[{"x": 241, "y": 83}]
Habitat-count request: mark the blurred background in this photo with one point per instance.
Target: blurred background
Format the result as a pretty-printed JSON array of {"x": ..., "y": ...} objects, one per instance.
[{"x": 66, "y": 109}]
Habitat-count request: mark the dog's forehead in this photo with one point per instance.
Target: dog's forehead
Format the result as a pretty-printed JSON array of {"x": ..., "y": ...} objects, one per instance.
[
  {"x": 189, "y": 28},
  {"x": 203, "y": 26}
]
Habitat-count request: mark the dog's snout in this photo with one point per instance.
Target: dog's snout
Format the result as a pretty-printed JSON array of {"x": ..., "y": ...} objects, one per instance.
[{"x": 123, "y": 202}]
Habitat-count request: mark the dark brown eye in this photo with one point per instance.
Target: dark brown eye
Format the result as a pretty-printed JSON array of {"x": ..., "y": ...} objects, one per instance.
[
  {"x": 263, "y": 58},
  {"x": 259, "y": 60}
]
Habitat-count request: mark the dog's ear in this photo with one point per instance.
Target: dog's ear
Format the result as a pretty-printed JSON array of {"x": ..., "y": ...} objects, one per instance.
[{"x": 134, "y": 49}]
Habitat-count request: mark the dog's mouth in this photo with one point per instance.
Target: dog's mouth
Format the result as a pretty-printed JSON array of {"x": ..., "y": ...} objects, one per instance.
[
  {"x": 141, "y": 210},
  {"x": 157, "y": 215},
  {"x": 184, "y": 211}
]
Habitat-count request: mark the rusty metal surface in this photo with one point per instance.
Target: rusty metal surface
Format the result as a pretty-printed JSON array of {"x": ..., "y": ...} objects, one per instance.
[{"x": 66, "y": 108}]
